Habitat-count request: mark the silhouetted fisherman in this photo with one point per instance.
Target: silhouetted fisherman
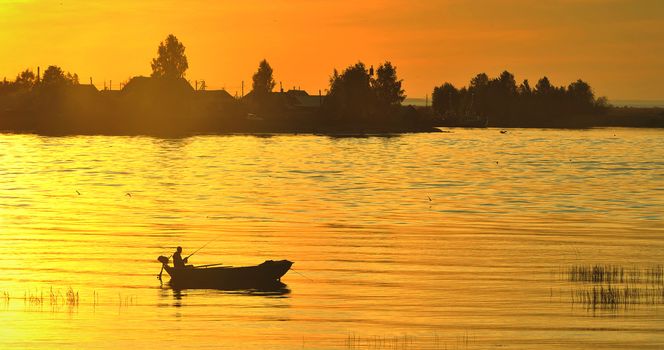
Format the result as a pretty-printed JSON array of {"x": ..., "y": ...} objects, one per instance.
[{"x": 178, "y": 262}]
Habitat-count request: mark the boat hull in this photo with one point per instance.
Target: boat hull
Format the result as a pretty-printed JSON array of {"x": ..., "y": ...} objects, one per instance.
[{"x": 267, "y": 274}]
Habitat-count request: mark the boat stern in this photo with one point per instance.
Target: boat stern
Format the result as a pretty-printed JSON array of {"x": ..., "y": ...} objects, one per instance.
[{"x": 162, "y": 259}]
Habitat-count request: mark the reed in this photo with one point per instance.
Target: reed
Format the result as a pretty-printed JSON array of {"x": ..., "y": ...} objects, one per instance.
[
  {"x": 613, "y": 287},
  {"x": 71, "y": 297},
  {"x": 33, "y": 299},
  {"x": 55, "y": 298},
  {"x": 405, "y": 342},
  {"x": 614, "y": 297},
  {"x": 125, "y": 301},
  {"x": 615, "y": 274}
]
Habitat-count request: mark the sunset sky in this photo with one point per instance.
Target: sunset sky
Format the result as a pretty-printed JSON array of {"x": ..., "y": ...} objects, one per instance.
[{"x": 616, "y": 45}]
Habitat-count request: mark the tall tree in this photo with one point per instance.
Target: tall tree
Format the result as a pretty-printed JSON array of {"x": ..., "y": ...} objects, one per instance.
[
  {"x": 171, "y": 61},
  {"x": 507, "y": 83},
  {"x": 580, "y": 92},
  {"x": 26, "y": 79},
  {"x": 478, "y": 95},
  {"x": 263, "y": 82},
  {"x": 544, "y": 87},
  {"x": 445, "y": 100},
  {"x": 524, "y": 89},
  {"x": 479, "y": 82},
  {"x": 350, "y": 94},
  {"x": 387, "y": 86},
  {"x": 55, "y": 76}
]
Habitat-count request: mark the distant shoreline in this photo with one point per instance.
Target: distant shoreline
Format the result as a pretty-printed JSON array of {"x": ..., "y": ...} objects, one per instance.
[
  {"x": 630, "y": 117},
  {"x": 424, "y": 101},
  {"x": 174, "y": 109}
]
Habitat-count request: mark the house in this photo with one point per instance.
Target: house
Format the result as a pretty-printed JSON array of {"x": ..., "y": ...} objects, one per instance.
[
  {"x": 291, "y": 99},
  {"x": 300, "y": 99},
  {"x": 213, "y": 100}
]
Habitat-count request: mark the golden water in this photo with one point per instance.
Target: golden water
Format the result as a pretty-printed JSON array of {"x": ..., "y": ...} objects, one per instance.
[{"x": 430, "y": 241}]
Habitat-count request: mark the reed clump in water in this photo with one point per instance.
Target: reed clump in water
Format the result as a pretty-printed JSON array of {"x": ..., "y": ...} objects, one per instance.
[
  {"x": 36, "y": 299},
  {"x": 71, "y": 297},
  {"x": 615, "y": 274},
  {"x": 614, "y": 286},
  {"x": 55, "y": 298},
  {"x": 614, "y": 297},
  {"x": 125, "y": 301},
  {"x": 405, "y": 342}
]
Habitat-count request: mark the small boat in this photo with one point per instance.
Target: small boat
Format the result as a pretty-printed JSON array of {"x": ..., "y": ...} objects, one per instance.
[{"x": 267, "y": 274}]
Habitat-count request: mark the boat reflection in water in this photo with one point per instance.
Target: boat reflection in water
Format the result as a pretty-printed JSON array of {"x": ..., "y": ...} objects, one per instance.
[{"x": 278, "y": 290}]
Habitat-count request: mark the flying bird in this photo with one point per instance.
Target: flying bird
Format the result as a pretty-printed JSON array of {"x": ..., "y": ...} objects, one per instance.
[{"x": 79, "y": 193}]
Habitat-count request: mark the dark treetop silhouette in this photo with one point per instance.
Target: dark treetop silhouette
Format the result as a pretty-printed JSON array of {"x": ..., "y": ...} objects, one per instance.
[
  {"x": 171, "y": 62},
  {"x": 358, "y": 101},
  {"x": 500, "y": 102},
  {"x": 263, "y": 82}
]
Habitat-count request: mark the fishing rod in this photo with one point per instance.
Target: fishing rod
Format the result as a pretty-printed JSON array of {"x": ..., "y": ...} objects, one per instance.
[
  {"x": 205, "y": 245},
  {"x": 195, "y": 251},
  {"x": 301, "y": 274}
]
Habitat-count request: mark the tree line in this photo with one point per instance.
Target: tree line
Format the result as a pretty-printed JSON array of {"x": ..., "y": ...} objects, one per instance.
[
  {"x": 53, "y": 76},
  {"x": 501, "y": 102},
  {"x": 358, "y": 97}
]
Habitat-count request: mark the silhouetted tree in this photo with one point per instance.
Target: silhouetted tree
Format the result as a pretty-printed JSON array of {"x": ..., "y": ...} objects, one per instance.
[
  {"x": 26, "y": 79},
  {"x": 263, "y": 82},
  {"x": 445, "y": 100},
  {"x": 581, "y": 95},
  {"x": 524, "y": 88},
  {"x": 55, "y": 76},
  {"x": 500, "y": 97},
  {"x": 507, "y": 83},
  {"x": 387, "y": 87},
  {"x": 505, "y": 104},
  {"x": 171, "y": 61},
  {"x": 480, "y": 81},
  {"x": 544, "y": 87},
  {"x": 602, "y": 104},
  {"x": 478, "y": 90},
  {"x": 350, "y": 93}
]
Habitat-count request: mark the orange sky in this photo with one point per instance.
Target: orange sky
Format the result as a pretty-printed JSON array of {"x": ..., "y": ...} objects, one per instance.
[{"x": 616, "y": 45}]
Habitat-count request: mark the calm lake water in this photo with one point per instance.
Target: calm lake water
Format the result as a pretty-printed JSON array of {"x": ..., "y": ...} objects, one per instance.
[{"x": 454, "y": 240}]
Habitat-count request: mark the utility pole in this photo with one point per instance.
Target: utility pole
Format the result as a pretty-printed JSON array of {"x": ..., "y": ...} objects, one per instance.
[
  {"x": 426, "y": 100},
  {"x": 242, "y": 88}
]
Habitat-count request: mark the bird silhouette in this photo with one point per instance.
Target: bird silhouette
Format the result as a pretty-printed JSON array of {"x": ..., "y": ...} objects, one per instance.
[{"x": 79, "y": 193}]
